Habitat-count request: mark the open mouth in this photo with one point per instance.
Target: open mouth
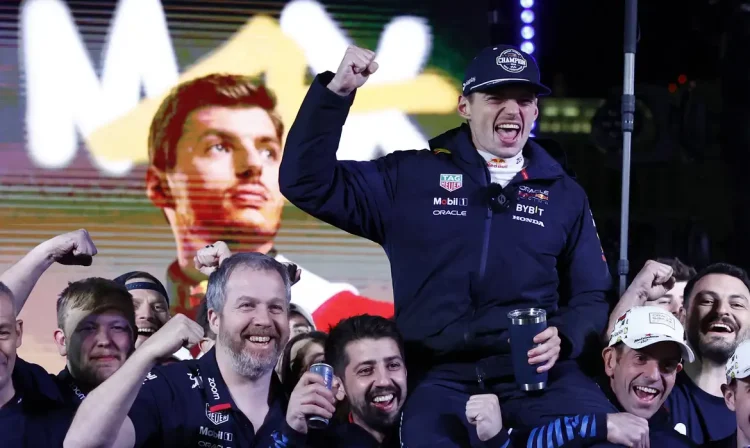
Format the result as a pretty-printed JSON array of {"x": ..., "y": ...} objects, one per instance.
[
  {"x": 508, "y": 132},
  {"x": 646, "y": 394},
  {"x": 384, "y": 402},
  {"x": 147, "y": 332},
  {"x": 718, "y": 327},
  {"x": 260, "y": 341}
]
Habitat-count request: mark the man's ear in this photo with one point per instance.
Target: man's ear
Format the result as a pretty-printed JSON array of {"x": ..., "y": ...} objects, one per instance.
[
  {"x": 729, "y": 395},
  {"x": 60, "y": 342},
  {"x": 19, "y": 332},
  {"x": 157, "y": 188},
  {"x": 464, "y": 107},
  {"x": 340, "y": 391},
  {"x": 205, "y": 344},
  {"x": 213, "y": 321},
  {"x": 609, "y": 354}
]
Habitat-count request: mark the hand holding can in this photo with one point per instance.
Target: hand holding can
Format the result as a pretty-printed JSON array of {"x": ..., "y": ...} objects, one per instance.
[
  {"x": 312, "y": 403},
  {"x": 525, "y": 324},
  {"x": 325, "y": 371}
]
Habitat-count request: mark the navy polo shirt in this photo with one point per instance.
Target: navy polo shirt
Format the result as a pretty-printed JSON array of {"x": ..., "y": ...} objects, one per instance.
[
  {"x": 188, "y": 404},
  {"x": 37, "y": 415},
  {"x": 698, "y": 414}
]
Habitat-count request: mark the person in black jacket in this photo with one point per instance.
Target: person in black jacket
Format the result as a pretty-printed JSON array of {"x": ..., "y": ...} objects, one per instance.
[
  {"x": 737, "y": 398},
  {"x": 482, "y": 223}
]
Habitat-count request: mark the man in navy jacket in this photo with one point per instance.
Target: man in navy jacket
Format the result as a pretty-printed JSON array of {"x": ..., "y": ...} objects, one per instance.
[{"x": 483, "y": 223}]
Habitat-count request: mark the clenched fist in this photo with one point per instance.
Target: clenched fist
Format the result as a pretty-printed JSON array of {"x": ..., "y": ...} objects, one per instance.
[
  {"x": 210, "y": 257},
  {"x": 627, "y": 429},
  {"x": 74, "y": 248},
  {"x": 356, "y": 67},
  {"x": 483, "y": 411},
  {"x": 653, "y": 281},
  {"x": 179, "y": 331}
]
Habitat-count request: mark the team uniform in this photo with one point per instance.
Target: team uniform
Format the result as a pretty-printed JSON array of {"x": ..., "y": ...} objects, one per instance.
[
  {"x": 38, "y": 415},
  {"x": 463, "y": 253},
  {"x": 188, "y": 404},
  {"x": 699, "y": 415},
  {"x": 328, "y": 302},
  {"x": 338, "y": 435}
]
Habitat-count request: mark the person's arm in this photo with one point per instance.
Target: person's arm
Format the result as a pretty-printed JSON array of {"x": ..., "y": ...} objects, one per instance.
[
  {"x": 584, "y": 282},
  {"x": 102, "y": 419},
  {"x": 74, "y": 248},
  {"x": 653, "y": 281},
  {"x": 353, "y": 196},
  {"x": 573, "y": 430}
]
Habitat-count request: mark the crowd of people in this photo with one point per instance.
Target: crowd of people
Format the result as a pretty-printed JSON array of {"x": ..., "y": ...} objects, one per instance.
[{"x": 483, "y": 223}]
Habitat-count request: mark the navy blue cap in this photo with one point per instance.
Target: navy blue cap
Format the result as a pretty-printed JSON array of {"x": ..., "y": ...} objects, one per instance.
[{"x": 499, "y": 65}]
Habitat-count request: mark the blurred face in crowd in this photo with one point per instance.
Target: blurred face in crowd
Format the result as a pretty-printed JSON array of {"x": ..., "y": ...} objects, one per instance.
[
  {"x": 298, "y": 324},
  {"x": 307, "y": 353},
  {"x": 11, "y": 331},
  {"x": 737, "y": 399},
  {"x": 226, "y": 175},
  {"x": 719, "y": 316},
  {"x": 673, "y": 301},
  {"x": 500, "y": 119},
  {"x": 375, "y": 382},
  {"x": 151, "y": 310},
  {"x": 96, "y": 344},
  {"x": 642, "y": 379},
  {"x": 253, "y": 327}
]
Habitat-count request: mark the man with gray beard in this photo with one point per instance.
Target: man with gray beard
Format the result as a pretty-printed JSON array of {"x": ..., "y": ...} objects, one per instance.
[
  {"x": 229, "y": 397},
  {"x": 718, "y": 319}
]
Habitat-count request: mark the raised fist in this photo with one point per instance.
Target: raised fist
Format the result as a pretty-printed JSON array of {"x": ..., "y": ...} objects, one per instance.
[
  {"x": 653, "y": 281},
  {"x": 210, "y": 257},
  {"x": 74, "y": 248},
  {"x": 355, "y": 68},
  {"x": 179, "y": 331}
]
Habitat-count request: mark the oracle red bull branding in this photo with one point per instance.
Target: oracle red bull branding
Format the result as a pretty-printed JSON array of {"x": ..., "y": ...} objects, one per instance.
[
  {"x": 461, "y": 202},
  {"x": 533, "y": 194},
  {"x": 497, "y": 163},
  {"x": 451, "y": 182}
]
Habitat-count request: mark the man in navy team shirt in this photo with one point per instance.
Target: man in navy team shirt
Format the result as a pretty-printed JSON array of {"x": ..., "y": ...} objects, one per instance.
[
  {"x": 230, "y": 397},
  {"x": 718, "y": 318}
]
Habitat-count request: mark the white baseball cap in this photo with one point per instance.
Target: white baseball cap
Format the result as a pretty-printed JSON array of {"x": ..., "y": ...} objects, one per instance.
[
  {"x": 642, "y": 326},
  {"x": 299, "y": 309},
  {"x": 738, "y": 365}
]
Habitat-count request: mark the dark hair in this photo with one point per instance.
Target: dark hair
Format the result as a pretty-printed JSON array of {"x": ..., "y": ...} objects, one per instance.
[
  {"x": 680, "y": 271},
  {"x": 95, "y": 294},
  {"x": 202, "y": 318},
  {"x": 217, "y": 281},
  {"x": 291, "y": 369},
  {"x": 717, "y": 268},
  {"x": 354, "y": 329},
  {"x": 124, "y": 278}
]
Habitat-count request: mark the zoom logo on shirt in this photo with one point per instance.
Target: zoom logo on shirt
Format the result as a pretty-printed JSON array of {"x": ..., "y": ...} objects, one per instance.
[{"x": 212, "y": 385}]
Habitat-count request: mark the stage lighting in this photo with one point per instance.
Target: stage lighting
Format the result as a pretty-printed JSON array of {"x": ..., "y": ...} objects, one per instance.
[
  {"x": 527, "y": 32},
  {"x": 528, "y": 47},
  {"x": 527, "y": 3},
  {"x": 527, "y": 16}
]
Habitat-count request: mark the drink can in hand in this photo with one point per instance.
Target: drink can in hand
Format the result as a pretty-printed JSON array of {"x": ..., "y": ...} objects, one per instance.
[
  {"x": 326, "y": 371},
  {"x": 525, "y": 324}
]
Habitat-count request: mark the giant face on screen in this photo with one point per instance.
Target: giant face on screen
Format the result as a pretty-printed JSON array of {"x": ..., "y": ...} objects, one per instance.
[{"x": 153, "y": 180}]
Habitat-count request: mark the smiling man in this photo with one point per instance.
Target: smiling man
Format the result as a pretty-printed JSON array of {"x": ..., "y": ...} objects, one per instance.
[{"x": 483, "y": 223}]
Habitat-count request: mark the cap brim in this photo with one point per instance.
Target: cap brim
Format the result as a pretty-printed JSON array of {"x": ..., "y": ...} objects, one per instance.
[
  {"x": 687, "y": 352},
  {"x": 541, "y": 89}
]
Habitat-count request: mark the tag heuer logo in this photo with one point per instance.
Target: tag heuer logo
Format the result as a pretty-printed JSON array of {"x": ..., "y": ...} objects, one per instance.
[
  {"x": 451, "y": 182},
  {"x": 217, "y": 418}
]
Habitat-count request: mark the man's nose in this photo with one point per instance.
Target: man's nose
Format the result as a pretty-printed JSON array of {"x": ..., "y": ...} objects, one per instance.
[
  {"x": 382, "y": 378},
  {"x": 102, "y": 337},
  {"x": 248, "y": 161},
  {"x": 144, "y": 312}
]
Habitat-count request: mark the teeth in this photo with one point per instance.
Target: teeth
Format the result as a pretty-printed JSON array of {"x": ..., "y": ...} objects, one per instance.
[
  {"x": 146, "y": 330},
  {"x": 648, "y": 390},
  {"x": 512, "y": 126},
  {"x": 261, "y": 339},
  {"x": 383, "y": 398},
  {"x": 721, "y": 326}
]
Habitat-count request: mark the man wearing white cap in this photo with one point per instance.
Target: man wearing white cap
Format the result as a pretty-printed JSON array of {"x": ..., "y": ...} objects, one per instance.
[
  {"x": 645, "y": 353},
  {"x": 737, "y": 397}
]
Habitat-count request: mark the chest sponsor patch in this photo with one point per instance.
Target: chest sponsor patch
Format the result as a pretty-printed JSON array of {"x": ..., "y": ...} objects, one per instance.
[
  {"x": 451, "y": 182},
  {"x": 533, "y": 194}
]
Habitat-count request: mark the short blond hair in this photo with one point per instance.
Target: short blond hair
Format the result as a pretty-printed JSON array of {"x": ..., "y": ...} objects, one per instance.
[{"x": 94, "y": 295}]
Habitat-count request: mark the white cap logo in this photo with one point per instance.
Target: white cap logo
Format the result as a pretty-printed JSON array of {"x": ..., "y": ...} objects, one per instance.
[{"x": 511, "y": 61}]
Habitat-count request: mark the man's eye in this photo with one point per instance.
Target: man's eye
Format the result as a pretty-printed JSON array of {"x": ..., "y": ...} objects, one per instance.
[{"x": 219, "y": 147}]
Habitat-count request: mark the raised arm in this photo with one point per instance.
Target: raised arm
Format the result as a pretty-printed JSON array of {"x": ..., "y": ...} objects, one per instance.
[
  {"x": 74, "y": 248},
  {"x": 102, "y": 419},
  {"x": 353, "y": 196}
]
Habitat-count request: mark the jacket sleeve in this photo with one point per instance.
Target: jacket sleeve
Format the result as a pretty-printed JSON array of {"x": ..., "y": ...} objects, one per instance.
[
  {"x": 288, "y": 438},
  {"x": 570, "y": 431},
  {"x": 584, "y": 282},
  {"x": 353, "y": 196}
]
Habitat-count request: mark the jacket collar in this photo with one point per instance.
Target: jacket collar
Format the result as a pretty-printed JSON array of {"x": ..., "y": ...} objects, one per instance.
[{"x": 541, "y": 166}]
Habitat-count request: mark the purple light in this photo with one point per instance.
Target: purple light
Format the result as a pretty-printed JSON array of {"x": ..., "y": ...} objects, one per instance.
[
  {"x": 527, "y": 3},
  {"x": 527, "y": 16},
  {"x": 527, "y": 32},
  {"x": 527, "y": 47}
]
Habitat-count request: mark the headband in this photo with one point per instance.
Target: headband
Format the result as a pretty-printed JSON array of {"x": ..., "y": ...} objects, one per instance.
[{"x": 148, "y": 285}]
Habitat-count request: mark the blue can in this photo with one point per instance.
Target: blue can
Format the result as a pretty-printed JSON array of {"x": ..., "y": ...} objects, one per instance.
[{"x": 326, "y": 371}]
